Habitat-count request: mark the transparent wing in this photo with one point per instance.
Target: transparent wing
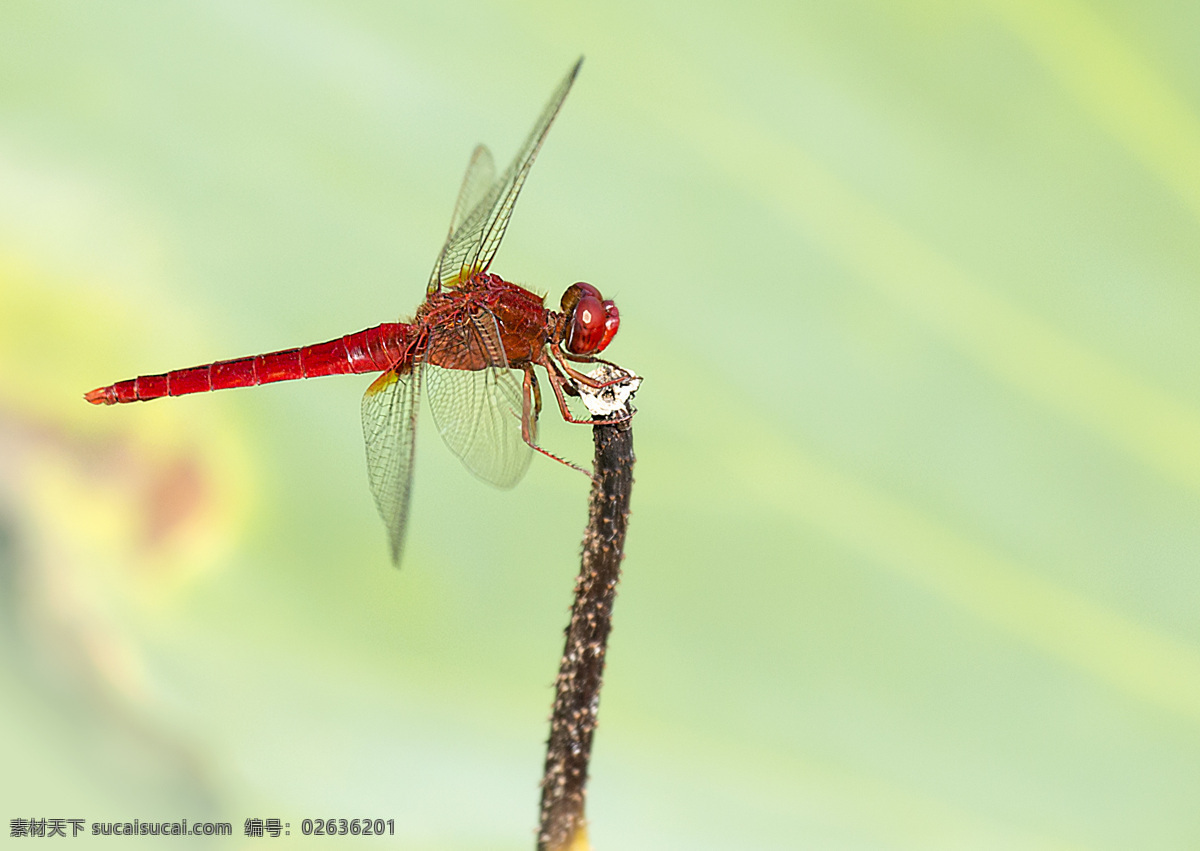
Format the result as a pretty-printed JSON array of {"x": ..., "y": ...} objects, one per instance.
[
  {"x": 480, "y": 176},
  {"x": 478, "y": 413},
  {"x": 473, "y": 243},
  {"x": 389, "y": 416},
  {"x": 478, "y": 410},
  {"x": 513, "y": 179}
]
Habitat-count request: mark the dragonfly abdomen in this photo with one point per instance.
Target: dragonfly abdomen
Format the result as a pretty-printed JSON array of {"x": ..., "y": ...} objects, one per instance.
[{"x": 372, "y": 350}]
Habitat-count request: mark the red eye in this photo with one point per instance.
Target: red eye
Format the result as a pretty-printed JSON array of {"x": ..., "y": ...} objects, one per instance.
[
  {"x": 575, "y": 292},
  {"x": 592, "y": 323},
  {"x": 612, "y": 321},
  {"x": 587, "y": 324}
]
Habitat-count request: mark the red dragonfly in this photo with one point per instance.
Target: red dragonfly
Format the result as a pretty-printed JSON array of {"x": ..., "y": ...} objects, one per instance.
[{"x": 467, "y": 339}]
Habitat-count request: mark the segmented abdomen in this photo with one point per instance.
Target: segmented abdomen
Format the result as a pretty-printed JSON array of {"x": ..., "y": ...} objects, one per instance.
[{"x": 372, "y": 350}]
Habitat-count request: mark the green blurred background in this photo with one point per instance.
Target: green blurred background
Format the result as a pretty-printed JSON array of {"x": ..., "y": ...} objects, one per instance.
[{"x": 912, "y": 562}]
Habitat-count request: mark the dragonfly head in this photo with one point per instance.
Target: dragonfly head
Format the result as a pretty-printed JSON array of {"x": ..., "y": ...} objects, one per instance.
[{"x": 591, "y": 321}]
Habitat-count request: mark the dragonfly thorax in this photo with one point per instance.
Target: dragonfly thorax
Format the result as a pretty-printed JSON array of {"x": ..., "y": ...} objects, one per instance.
[{"x": 468, "y": 326}]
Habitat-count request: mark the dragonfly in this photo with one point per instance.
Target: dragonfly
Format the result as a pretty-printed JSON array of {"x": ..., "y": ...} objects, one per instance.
[{"x": 472, "y": 345}]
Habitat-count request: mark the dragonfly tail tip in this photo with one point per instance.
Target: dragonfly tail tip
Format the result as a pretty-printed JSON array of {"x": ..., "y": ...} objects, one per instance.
[{"x": 99, "y": 396}]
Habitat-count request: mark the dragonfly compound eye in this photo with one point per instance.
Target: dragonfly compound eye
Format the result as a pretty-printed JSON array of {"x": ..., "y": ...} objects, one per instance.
[
  {"x": 587, "y": 325},
  {"x": 612, "y": 321},
  {"x": 576, "y": 291}
]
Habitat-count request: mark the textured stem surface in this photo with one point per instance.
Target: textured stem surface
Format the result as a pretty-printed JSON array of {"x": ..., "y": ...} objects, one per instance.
[{"x": 577, "y": 690}]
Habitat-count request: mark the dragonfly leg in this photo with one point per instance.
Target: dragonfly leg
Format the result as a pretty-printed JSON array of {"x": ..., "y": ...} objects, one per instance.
[
  {"x": 558, "y": 384},
  {"x": 531, "y": 407},
  {"x": 562, "y": 357},
  {"x": 537, "y": 393}
]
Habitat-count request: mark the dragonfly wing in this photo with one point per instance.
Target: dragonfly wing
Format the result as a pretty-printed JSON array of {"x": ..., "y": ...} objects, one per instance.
[
  {"x": 513, "y": 179},
  {"x": 478, "y": 410},
  {"x": 389, "y": 416},
  {"x": 473, "y": 243},
  {"x": 477, "y": 182}
]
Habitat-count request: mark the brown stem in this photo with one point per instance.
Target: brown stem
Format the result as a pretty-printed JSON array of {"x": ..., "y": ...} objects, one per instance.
[{"x": 577, "y": 690}]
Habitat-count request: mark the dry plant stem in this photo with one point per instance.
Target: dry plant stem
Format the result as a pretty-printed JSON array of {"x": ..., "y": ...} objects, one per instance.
[{"x": 577, "y": 690}]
